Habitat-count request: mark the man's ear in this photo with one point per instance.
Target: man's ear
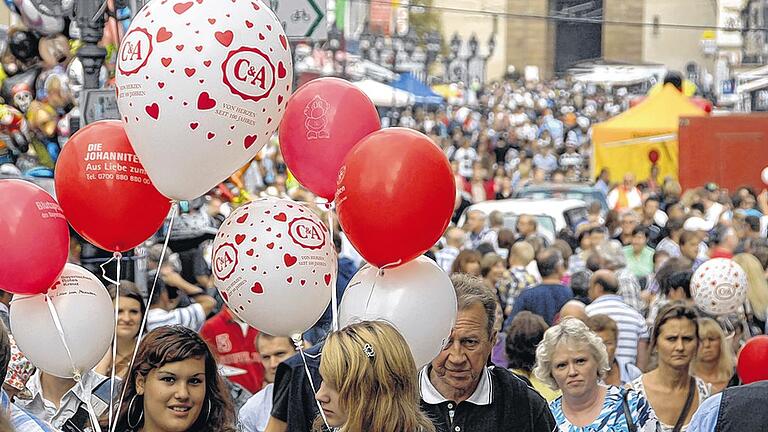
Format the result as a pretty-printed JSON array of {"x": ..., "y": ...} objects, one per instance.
[{"x": 140, "y": 381}]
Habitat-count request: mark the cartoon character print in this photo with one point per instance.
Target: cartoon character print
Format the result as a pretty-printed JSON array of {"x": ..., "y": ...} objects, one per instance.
[{"x": 316, "y": 118}]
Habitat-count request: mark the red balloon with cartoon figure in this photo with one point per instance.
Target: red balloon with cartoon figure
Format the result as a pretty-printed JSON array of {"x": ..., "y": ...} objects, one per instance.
[{"x": 323, "y": 120}]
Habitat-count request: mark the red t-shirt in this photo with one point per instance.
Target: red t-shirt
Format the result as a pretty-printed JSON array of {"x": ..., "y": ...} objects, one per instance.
[{"x": 225, "y": 337}]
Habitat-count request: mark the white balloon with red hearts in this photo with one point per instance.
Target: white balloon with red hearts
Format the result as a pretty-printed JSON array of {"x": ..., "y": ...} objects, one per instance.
[
  {"x": 274, "y": 265},
  {"x": 201, "y": 86},
  {"x": 719, "y": 286}
]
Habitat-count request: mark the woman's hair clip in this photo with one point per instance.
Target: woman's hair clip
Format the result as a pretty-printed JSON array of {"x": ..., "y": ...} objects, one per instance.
[{"x": 368, "y": 350}]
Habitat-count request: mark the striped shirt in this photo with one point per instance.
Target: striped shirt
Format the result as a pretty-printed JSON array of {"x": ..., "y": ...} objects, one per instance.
[
  {"x": 632, "y": 327},
  {"x": 445, "y": 257},
  {"x": 192, "y": 317},
  {"x": 21, "y": 420}
]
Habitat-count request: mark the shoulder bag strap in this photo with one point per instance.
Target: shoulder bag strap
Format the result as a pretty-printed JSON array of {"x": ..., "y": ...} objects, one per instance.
[
  {"x": 687, "y": 407},
  {"x": 631, "y": 427}
]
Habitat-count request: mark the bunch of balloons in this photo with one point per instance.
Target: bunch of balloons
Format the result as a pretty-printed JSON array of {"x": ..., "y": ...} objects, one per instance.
[{"x": 394, "y": 194}]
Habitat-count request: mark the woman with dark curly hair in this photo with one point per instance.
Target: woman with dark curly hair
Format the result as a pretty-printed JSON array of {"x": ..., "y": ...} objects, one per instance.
[
  {"x": 525, "y": 333},
  {"x": 174, "y": 386}
]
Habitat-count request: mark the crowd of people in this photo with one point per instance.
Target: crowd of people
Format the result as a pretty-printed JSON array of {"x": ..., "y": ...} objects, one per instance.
[{"x": 594, "y": 330}]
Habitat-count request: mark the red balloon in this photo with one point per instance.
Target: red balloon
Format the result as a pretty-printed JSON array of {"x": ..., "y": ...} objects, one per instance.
[
  {"x": 395, "y": 196},
  {"x": 323, "y": 120},
  {"x": 34, "y": 238},
  {"x": 753, "y": 360},
  {"x": 104, "y": 191},
  {"x": 653, "y": 156}
]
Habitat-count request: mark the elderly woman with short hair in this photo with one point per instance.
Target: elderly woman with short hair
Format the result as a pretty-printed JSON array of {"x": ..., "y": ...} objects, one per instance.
[{"x": 573, "y": 359}]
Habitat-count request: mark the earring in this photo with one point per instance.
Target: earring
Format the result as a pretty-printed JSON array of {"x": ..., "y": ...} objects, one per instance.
[
  {"x": 128, "y": 414},
  {"x": 208, "y": 414}
]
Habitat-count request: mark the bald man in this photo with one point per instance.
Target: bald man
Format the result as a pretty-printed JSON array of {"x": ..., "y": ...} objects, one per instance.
[
  {"x": 632, "y": 346},
  {"x": 574, "y": 308}
]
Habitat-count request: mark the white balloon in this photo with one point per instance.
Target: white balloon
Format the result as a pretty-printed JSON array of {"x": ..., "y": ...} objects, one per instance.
[
  {"x": 719, "y": 286},
  {"x": 275, "y": 265},
  {"x": 87, "y": 318},
  {"x": 416, "y": 297},
  {"x": 201, "y": 87},
  {"x": 764, "y": 175}
]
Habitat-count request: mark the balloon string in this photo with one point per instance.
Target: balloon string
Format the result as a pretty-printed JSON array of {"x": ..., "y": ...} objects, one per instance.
[
  {"x": 334, "y": 275},
  {"x": 174, "y": 211},
  {"x": 91, "y": 412},
  {"x": 379, "y": 274},
  {"x": 119, "y": 257},
  {"x": 76, "y": 373},
  {"x": 60, "y": 330},
  {"x": 104, "y": 270},
  {"x": 300, "y": 348}
]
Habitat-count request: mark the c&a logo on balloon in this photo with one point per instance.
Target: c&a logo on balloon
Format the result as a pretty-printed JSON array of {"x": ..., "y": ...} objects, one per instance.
[
  {"x": 134, "y": 51},
  {"x": 307, "y": 233},
  {"x": 224, "y": 261},
  {"x": 249, "y": 73}
]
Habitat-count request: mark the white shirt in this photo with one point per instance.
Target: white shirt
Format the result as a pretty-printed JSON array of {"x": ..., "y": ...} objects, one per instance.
[
  {"x": 483, "y": 394},
  {"x": 254, "y": 415},
  {"x": 45, "y": 410},
  {"x": 192, "y": 317}
]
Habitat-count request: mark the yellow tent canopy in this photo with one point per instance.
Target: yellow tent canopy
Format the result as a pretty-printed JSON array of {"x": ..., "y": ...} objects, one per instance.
[{"x": 630, "y": 141}]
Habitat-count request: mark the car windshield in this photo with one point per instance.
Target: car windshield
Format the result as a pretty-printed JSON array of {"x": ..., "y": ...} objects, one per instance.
[{"x": 586, "y": 196}]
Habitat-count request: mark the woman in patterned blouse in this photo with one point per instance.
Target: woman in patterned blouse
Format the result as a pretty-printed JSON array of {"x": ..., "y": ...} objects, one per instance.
[{"x": 573, "y": 359}]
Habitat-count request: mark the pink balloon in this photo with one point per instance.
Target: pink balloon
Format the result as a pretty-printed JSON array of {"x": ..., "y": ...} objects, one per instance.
[
  {"x": 34, "y": 238},
  {"x": 323, "y": 120}
]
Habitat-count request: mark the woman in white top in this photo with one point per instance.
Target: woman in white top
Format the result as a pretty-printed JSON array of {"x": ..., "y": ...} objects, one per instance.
[{"x": 672, "y": 392}]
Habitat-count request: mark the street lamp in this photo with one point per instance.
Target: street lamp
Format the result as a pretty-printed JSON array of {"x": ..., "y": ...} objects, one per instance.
[
  {"x": 334, "y": 43},
  {"x": 366, "y": 40},
  {"x": 433, "y": 45}
]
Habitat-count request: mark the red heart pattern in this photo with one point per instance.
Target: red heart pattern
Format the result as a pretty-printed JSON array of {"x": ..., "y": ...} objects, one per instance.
[
  {"x": 239, "y": 238},
  {"x": 153, "y": 110},
  {"x": 281, "y": 217},
  {"x": 249, "y": 140},
  {"x": 184, "y": 23},
  {"x": 289, "y": 260},
  {"x": 242, "y": 218},
  {"x": 211, "y": 135},
  {"x": 180, "y": 8},
  {"x": 281, "y": 72},
  {"x": 270, "y": 245},
  {"x": 163, "y": 34},
  {"x": 327, "y": 279},
  {"x": 257, "y": 288},
  {"x": 205, "y": 101},
  {"x": 225, "y": 37}
]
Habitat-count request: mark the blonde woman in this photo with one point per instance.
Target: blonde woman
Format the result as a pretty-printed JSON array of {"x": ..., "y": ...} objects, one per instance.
[
  {"x": 715, "y": 361},
  {"x": 757, "y": 287},
  {"x": 370, "y": 382},
  {"x": 573, "y": 359}
]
